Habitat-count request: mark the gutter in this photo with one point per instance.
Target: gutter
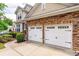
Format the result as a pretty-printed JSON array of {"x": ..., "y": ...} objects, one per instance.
[{"x": 53, "y": 13}]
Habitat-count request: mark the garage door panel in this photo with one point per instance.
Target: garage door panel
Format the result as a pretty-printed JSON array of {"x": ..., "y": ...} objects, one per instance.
[
  {"x": 31, "y": 33},
  {"x": 67, "y": 35},
  {"x": 60, "y": 35},
  {"x": 35, "y": 33},
  {"x": 49, "y": 37},
  {"x": 49, "y": 30},
  {"x": 68, "y": 41},
  {"x": 39, "y": 33}
]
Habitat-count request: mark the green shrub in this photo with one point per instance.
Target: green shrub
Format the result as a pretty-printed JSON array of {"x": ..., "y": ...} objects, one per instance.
[
  {"x": 2, "y": 45},
  {"x": 8, "y": 37},
  {"x": 20, "y": 37},
  {"x": 13, "y": 34},
  {"x": 2, "y": 39}
]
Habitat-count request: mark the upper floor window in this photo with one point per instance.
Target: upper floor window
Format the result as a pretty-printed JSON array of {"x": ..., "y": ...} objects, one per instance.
[{"x": 19, "y": 17}]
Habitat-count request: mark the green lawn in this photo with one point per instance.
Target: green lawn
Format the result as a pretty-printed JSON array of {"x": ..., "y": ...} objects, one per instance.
[{"x": 2, "y": 46}]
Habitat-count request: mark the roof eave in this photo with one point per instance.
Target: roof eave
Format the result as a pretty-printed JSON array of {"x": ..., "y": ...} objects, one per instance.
[
  {"x": 53, "y": 13},
  {"x": 17, "y": 9}
]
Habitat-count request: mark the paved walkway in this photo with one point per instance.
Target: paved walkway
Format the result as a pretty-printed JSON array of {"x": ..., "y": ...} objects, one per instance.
[{"x": 30, "y": 49}]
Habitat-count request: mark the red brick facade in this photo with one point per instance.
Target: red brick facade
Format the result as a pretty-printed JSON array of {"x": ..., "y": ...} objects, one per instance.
[{"x": 68, "y": 18}]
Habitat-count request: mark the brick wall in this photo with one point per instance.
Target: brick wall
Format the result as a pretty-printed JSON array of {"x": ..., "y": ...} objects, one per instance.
[{"x": 71, "y": 18}]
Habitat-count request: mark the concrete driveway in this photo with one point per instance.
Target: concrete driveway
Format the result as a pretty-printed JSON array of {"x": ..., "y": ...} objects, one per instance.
[{"x": 31, "y": 49}]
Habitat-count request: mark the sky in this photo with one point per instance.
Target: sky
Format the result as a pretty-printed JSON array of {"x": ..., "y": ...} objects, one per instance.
[{"x": 12, "y": 5}]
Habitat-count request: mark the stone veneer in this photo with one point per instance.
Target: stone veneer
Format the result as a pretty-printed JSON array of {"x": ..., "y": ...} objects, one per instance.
[{"x": 71, "y": 18}]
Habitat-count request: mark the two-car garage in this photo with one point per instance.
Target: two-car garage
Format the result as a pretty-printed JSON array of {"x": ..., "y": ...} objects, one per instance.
[{"x": 59, "y": 34}]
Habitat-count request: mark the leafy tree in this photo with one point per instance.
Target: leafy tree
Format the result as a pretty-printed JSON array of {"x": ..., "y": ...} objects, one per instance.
[
  {"x": 2, "y": 7},
  {"x": 8, "y": 21},
  {"x": 3, "y": 25}
]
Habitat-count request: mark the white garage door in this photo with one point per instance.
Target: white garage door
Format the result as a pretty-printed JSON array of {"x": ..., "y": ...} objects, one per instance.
[
  {"x": 60, "y": 35},
  {"x": 35, "y": 33}
]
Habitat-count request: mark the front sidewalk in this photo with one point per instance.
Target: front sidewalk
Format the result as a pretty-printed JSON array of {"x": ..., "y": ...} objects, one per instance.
[
  {"x": 8, "y": 52},
  {"x": 31, "y": 49}
]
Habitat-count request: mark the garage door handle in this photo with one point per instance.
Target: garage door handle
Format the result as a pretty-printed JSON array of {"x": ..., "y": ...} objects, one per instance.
[
  {"x": 40, "y": 38},
  {"x": 67, "y": 30},
  {"x": 56, "y": 37},
  {"x": 30, "y": 36},
  {"x": 46, "y": 39},
  {"x": 68, "y": 42}
]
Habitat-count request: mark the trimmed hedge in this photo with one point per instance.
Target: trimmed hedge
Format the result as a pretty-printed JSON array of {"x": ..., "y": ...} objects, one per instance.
[
  {"x": 6, "y": 38},
  {"x": 2, "y": 40},
  {"x": 20, "y": 37}
]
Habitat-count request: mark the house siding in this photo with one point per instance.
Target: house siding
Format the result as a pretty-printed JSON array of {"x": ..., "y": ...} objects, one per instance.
[
  {"x": 48, "y": 7},
  {"x": 20, "y": 16},
  {"x": 68, "y": 18}
]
